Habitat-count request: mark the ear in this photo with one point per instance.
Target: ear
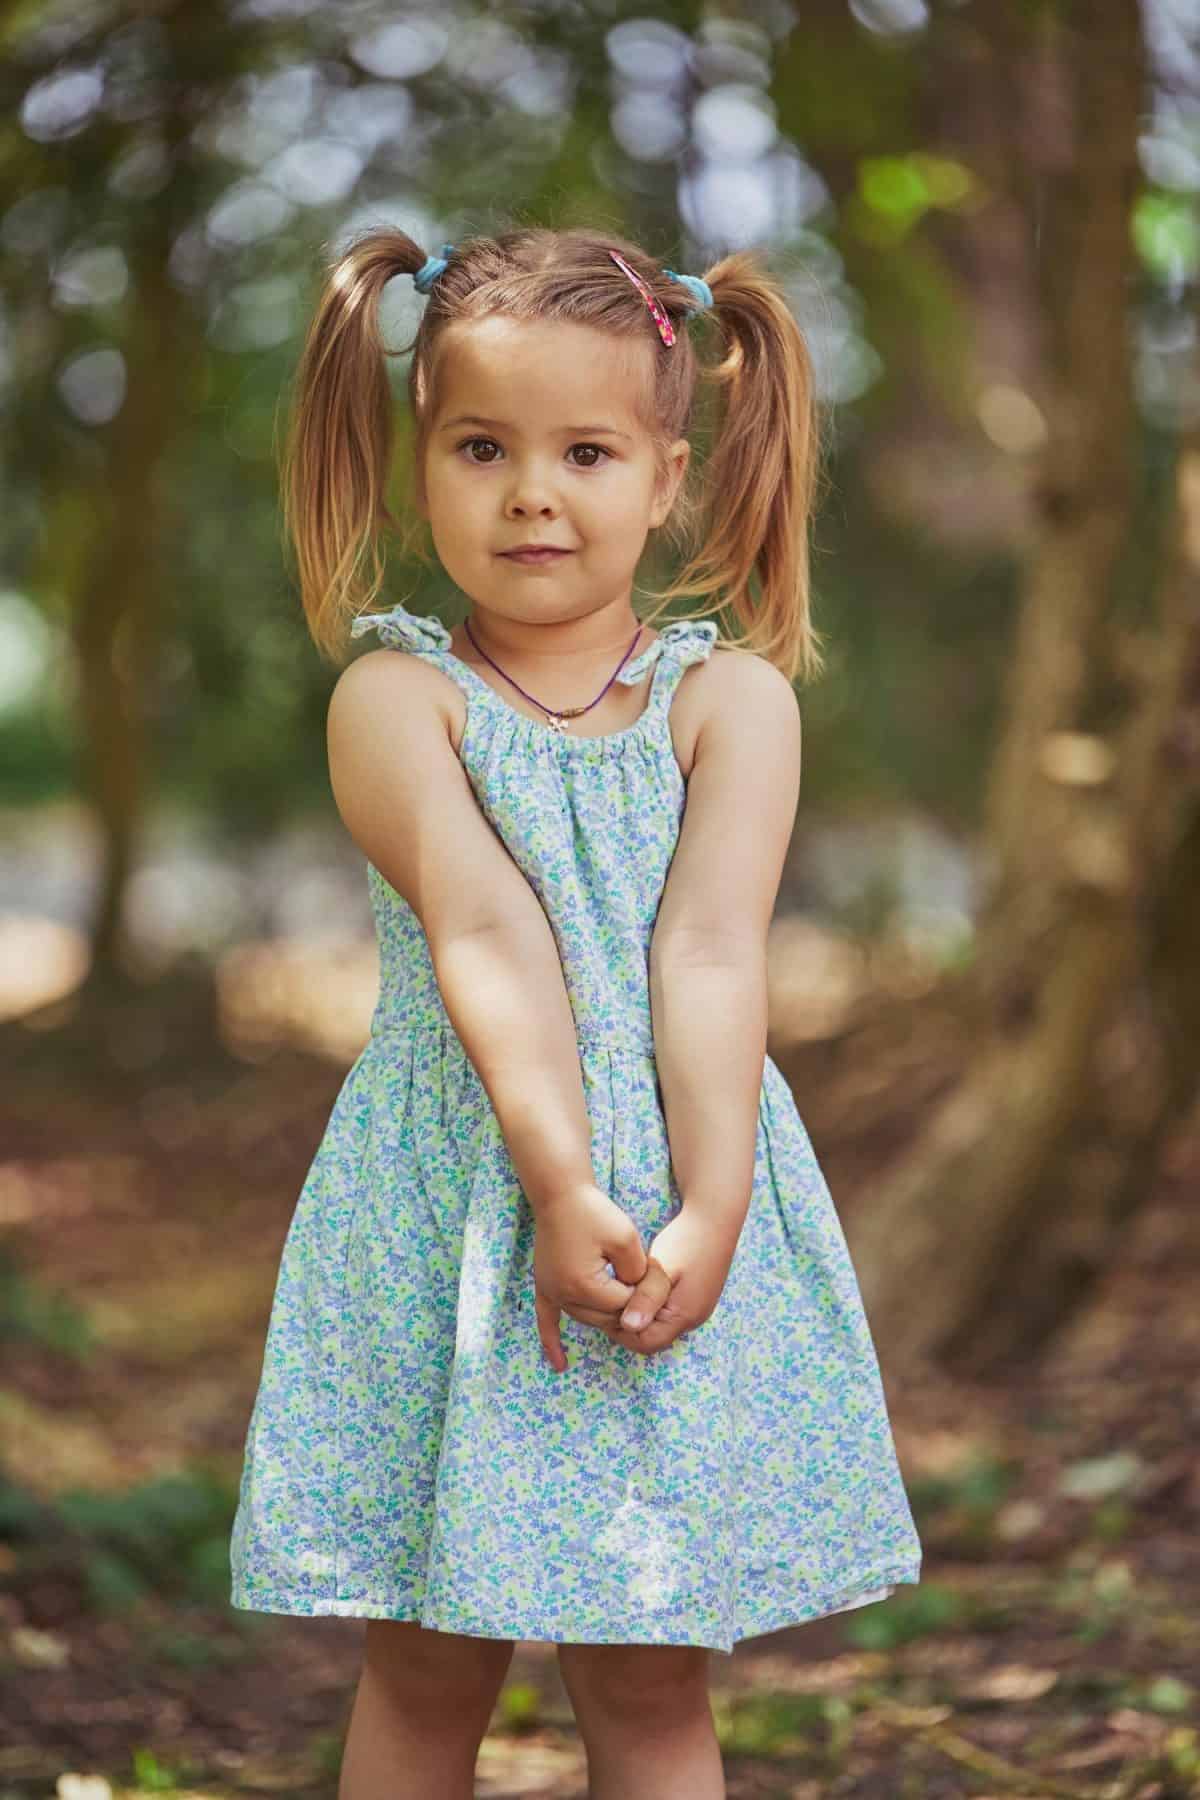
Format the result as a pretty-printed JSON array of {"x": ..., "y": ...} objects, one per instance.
[{"x": 667, "y": 486}]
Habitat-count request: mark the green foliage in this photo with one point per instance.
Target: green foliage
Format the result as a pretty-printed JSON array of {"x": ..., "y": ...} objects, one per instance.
[
  {"x": 895, "y": 193},
  {"x": 918, "y": 650},
  {"x": 40, "y": 1315},
  {"x": 22, "y": 1516},
  {"x": 153, "y": 1776},
  {"x": 1110, "y": 1521},
  {"x": 113, "y": 1585},
  {"x": 37, "y": 758},
  {"x": 841, "y": 90},
  {"x": 168, "y": 1534},
  {"x": 1183, "y": 1755},
  {"x": 905, "y": 1615},
  {"x": 781, "y": 1724},
  {"x": 1100, "y": 1592},
  {"x": 1167, "y": 1694},
  {"x": 519, "y": 1706},
  {"x": 206, "y": 1570},
  {"x": 972, "y": 1494},
  {"x": 1166, "y": 234},
  {"x": 326, "y": 1750}
]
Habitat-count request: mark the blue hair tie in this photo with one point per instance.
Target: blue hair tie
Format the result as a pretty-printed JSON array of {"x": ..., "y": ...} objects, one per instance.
[
  {"x": 431, "y": 268},
  {"x": 701, "y": 289}
]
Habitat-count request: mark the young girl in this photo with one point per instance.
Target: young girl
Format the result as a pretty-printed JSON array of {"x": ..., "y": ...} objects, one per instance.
[{"x": 575, "y": 827}]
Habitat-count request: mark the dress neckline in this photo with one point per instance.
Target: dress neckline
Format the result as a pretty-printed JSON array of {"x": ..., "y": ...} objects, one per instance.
[
  {"x": 688, "y": 640},
  {"x": 639, "y": 726}
]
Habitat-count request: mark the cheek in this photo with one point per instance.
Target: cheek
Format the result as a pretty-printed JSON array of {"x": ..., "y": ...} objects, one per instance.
[
  {"x": 451, "y": 495},
  {"x": 442, "y": 477}
]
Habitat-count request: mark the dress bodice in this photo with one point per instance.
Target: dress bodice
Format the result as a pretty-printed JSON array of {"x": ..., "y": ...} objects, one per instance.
[{"x": 592, "y": 823}]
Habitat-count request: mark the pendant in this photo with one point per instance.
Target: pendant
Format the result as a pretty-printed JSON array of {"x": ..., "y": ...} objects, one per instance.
[{"x": 556, "y": 721}]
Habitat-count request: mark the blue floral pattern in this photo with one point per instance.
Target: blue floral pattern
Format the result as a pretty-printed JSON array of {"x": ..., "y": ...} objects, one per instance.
[{"x": 410, "y": 1453}]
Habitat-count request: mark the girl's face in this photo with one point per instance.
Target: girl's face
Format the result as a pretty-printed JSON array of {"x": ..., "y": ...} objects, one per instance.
[{"x": 535, "y": 440}]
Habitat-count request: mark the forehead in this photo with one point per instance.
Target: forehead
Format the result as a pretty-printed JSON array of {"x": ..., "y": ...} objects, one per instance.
[{"x": 540, "y": 375}]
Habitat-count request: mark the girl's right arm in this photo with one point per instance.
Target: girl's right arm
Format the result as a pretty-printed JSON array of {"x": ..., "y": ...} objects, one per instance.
[{"x": 406, "y": 801}]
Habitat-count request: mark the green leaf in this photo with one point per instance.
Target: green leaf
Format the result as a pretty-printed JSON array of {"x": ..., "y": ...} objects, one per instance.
[{"x": 1167, "y": 1694}]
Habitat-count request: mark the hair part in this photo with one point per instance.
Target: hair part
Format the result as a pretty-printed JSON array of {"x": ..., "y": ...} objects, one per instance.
[{"x": 750, "y": 507}]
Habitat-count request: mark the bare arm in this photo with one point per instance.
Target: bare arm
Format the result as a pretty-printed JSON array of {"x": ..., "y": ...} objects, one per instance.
[
  {"x": 407, "y": 803},
  {"x": 708, "y": 963}
]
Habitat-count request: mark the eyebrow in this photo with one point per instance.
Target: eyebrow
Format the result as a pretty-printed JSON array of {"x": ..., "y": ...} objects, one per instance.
[{"x": 573, "y": 430}]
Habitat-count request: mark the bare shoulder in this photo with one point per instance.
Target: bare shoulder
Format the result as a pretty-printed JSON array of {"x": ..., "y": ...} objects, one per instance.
[
  {"x": 746, "y": 698},
  {"x": 746, "y": 674},
  {"x": 405, "y": 798},
  {"x": 375, "y": 684},
  {"x": 726, "y": 687}
]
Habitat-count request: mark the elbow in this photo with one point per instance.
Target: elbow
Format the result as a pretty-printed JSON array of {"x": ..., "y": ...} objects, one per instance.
[{"x": 691, "y": 946}]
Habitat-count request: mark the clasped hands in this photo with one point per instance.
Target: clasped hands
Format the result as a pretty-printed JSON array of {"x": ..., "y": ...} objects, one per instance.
[{"x": 657, "y": 1295}]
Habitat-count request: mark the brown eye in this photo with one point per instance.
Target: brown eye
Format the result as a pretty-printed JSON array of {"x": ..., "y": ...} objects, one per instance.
[{"x": 598, "y": 452}]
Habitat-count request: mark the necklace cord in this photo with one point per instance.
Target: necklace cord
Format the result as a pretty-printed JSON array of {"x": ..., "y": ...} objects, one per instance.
[{"x": 557, "y": 719}]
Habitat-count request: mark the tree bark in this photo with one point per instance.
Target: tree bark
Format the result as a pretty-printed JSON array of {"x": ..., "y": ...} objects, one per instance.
[
  {"x": 1013, "y": 1201},
  {"x": 117, "y": 588}
]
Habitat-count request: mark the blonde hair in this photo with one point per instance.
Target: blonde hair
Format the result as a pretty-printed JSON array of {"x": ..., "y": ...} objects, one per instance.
[{"x": 756, "y": 490}]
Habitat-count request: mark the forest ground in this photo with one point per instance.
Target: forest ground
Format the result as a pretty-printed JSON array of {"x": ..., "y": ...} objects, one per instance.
[{"x": 1052, "y": 1647}]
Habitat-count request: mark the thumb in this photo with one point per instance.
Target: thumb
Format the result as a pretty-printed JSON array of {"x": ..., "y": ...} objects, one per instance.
[
  {"x": 629, "y": 1261},
  {"x": 548, "y": 1317},
  {"x": 653, "y": 1291}
]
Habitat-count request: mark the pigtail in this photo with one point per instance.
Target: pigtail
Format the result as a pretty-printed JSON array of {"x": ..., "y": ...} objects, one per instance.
[
  {"x": 761, "y": 475},
  {"x": 338, "y": 454}
]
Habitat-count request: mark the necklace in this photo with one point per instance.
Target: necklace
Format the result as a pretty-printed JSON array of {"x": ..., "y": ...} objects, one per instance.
[{"x": 558, "y": 720}]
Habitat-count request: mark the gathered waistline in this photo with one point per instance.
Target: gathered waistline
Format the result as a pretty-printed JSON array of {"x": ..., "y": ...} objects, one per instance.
[{"x": 626, "y": 1045}]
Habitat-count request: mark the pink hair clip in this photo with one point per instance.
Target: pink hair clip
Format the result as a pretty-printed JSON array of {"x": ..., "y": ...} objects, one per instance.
[{"x": 666, "y": 330}]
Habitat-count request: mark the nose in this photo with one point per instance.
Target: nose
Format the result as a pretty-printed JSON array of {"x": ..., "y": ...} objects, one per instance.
[{"x": 531, "y": 491}]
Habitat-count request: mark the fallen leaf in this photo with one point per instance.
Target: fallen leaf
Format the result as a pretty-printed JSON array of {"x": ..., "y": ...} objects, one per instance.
[
  {"x": 38, "y": 1649},
  {"x": 1012, "y": 1681}
]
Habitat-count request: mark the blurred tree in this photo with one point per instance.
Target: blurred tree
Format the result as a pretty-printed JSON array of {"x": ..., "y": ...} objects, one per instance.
[
  {"x": 162, "y": 181},
  {"x": 103, "y": 141},
  {"x": 1086, "y": 992},
  {"x": 158, "y": 184}
]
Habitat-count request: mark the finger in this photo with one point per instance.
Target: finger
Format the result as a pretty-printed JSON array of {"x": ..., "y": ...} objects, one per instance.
[
  {"x": 658, "y": 1335},
  {"x": 609, "y": 1294},
  {"x": 591, "y": 1315},
  {"x": 548, "y": 1316},
  {"x": 651, "y": 1293},
  {"x": 668, "y": 1323},
  {"x": 628, "y": 1261},
  {"x": 605, "y": 1322},
  {"x": 604, "y": 1294},
  {"x": 618, "y": 1334}
]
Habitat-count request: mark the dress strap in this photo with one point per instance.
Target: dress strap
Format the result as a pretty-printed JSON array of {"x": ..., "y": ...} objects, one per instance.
[
  {"x": 679, "y": 644},
  {"x": 400, "y": 629}
]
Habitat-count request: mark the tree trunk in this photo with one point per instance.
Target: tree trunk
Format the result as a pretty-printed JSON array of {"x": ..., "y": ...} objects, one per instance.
[
  {"x": 1012, "y": 1202},
  {"x": 117, "y": 585}
]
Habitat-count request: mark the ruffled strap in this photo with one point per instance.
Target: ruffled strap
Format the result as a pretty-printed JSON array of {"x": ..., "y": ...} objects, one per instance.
[
  {"x": 400, "y": 629},
  {"x": 686, "y": 640}
]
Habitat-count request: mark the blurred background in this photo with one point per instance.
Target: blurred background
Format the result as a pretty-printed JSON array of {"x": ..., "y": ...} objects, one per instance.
[{"x": 985, "y": 963}]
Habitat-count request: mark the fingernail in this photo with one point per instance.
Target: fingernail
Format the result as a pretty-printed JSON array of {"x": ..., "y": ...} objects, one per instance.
[{"x": 634, "y": 1319}]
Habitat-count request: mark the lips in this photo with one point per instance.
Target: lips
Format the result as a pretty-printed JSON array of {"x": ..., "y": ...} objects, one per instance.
[{"x": 544, "y": 554}]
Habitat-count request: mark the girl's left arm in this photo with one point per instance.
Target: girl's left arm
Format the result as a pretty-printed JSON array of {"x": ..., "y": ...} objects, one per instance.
[{"x": 708, "y": 963}]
